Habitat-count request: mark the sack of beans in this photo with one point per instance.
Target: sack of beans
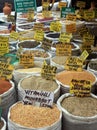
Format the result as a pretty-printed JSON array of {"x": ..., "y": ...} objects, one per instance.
[
  {"x": 36, "y": 82},
  {"x": 79, "y": 113},
  {"x": 2, "y": 124},
  {"x": 7, "y": 96},
  {"x": 29, "y": 117}
]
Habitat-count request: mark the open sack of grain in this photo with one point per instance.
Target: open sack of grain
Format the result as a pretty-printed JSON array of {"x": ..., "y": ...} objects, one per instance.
[
  {"x": 79, "y": 113},
  {"x": 28, "y": 117}
]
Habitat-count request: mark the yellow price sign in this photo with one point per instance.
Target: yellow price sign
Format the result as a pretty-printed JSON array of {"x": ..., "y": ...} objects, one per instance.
[
  {"x": 73, "y": 63},
  {"x": 88, "y": 14},
  {"x": 6, "y": 70},
  {"x": 88, "y": 38},
  {"x": 65, "y": 37},
  {"x": 71, "y": 28},
  {"x": 80, "y": 88},
  {"x": 81, "y": 4},
  {"x": 55, "y": 26},
  {"x": 26, "y": 60},
  {"x": 84, "y": 55},
  {"x": 63, "y": 49},
  {"x": 14, "y": 35},
  {"x": 39, "y": 35},
  {"x": 4, "y": 45},
  {"x": 62, "y": 4},
  {"x": 48, "y": 72},
  {"x": 38, "y": 26},
  {"x": 71, "y": 17},
  {"x": 86, "y": 47}
]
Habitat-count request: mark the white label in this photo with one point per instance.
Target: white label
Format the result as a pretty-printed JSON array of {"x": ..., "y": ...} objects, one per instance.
[{"x": 38, "y": 98}]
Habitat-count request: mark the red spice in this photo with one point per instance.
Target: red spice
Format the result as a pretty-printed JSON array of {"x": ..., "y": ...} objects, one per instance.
[{"x": 4, "y": 86}]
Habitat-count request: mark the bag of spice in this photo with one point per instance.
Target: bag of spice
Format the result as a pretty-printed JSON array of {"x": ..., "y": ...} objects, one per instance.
[{"x": 7, "y": 96}]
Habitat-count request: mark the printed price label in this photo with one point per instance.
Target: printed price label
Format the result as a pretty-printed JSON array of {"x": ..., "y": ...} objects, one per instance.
[
  {"x": 67, "y": 10},
  {"x": 38, "y": 98},
  {"x": 6, "y": 70},
  {"x": 39, "y": 35},
  {"x": 80, "y": 88},
  {"x": 55, "y": 26},
  {"x": 70, "y": 28},
  {"x": 63, "y": 49},
  {"x": 48, "y": 72},
  {"x": 84, "y": 55},
  {"x": 73, "y": 63},
  {"x": 26, "y": 60},
  {"x": 4, "y": 45},
  {"x": 65, "y": 37}
]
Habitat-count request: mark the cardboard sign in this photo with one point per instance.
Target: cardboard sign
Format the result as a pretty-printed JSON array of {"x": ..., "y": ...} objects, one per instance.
[
  {"x": 65, "y": 37},
  {"x": 63, "y": 49},
  {"x": 84, "y": 55},
  {"x": 48, "y": 72},
  {"x": 22, "y": 6},
  {"x": 74, "y": 63},
  {"x": 38, "y": 98},
  {"x": 55, "y": 26},
  {"x": 71, "y": 28},
  {"x": 71, "y": 17},
  {"x": 62, "y": 4},
  {"x": 80, "y": 88},
  {"x": 14, "y": 35},
  {"x": 67, "y": 10},
  {"x": 39, "y": 35},
  {"x": 83, "y": 30},
  {"x": 86, "y": 47},
  {"x": 4, "y": 45},
  {"x": 26, "y": 60},
  {"x": 81, "y": 4},
  {"x": 6, "y": 71},
  {"x": 88, "y": 14},
  {"x": 38, "y": 26},
  {"x": 46, "y": 44},
  {"x": 88, "y": 38}
]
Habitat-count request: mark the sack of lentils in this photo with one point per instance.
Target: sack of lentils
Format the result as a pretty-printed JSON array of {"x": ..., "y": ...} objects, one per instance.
[
  {"x": 28, "y": 117},
  {"x": 2, "y": 124},
  {"x": 79, "y": 113},
  {"x": 7, "y": 96},
  {"x": 36, "y": 82}
]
